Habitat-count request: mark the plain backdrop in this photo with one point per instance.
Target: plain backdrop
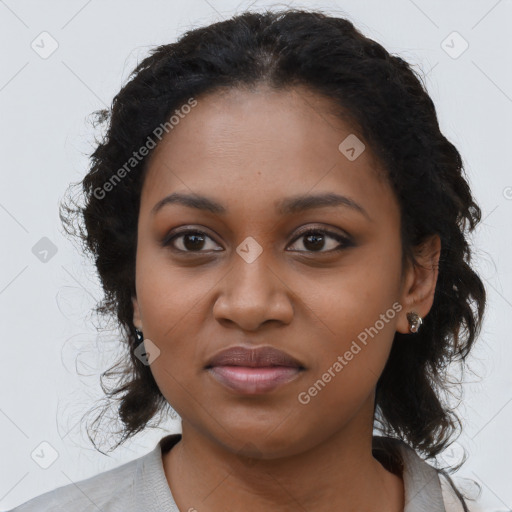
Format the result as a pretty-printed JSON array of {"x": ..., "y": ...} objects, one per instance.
[{"x": 51, "y": 352}]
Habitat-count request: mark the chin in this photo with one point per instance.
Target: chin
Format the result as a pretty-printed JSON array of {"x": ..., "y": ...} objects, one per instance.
[{"x": 261, "y": 441}]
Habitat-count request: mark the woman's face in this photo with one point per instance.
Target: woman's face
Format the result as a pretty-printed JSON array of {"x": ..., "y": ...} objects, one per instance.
[{"x": 248, "y": 273}]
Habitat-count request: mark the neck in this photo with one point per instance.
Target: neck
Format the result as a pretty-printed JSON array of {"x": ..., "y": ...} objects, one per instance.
[{"x": 339, "y": 473}]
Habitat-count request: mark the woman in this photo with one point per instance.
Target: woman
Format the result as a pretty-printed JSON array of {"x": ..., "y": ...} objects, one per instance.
[{"x": 280, "y": 229}]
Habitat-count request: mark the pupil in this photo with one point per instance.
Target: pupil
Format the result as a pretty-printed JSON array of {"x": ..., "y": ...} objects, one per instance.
[
  {"x": 318, "y": 241},
  {"x": 198, "y": 240}
]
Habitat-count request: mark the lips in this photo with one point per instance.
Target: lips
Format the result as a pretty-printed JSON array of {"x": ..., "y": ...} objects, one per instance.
[
  {"x": 253, "y": 358},
  {"x": 253, "y": 371}
]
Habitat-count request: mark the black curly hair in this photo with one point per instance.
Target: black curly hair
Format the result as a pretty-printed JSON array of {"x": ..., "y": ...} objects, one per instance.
[{"x": 389, "y": 108}]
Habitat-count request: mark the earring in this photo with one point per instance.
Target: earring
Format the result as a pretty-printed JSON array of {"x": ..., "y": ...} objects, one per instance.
[
  {"x": 140, "y": 336},
  {"x": 415, "y": 321}
]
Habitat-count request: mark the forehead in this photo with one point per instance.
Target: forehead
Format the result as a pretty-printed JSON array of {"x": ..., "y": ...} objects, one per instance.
[{"x": 254, "y": 146}]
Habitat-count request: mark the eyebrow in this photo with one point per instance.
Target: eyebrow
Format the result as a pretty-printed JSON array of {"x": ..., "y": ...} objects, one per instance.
[{"x": 287, "y": 206}]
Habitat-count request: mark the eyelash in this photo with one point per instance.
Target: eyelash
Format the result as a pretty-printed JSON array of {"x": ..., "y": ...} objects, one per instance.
[{"x": 343, "y": 240}]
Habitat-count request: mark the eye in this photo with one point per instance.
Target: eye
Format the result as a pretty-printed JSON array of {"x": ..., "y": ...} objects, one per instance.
[
  {"x": 189, "y": 241},
  {"x": 315, "y": 240}
]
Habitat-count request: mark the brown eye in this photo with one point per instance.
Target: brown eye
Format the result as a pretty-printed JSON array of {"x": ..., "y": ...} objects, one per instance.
[
  {"x": 190, "y": 241},
  {"x": 315, "y": 240}
]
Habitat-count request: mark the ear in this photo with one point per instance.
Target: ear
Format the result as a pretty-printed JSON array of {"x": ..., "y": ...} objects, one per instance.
[
  {"x": 137, "y": 321},
  {"x": 420, "y": 282}
]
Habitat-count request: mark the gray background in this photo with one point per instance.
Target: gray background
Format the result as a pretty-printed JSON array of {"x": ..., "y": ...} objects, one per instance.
[{"x": 51, "y": 351}]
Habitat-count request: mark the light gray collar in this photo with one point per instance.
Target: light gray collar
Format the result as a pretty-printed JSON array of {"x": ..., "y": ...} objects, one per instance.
[{"x": 421, "y": 481}]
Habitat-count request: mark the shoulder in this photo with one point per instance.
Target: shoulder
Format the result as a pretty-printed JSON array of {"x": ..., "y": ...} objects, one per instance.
[
  {"x": 134, "y": 486},
  {"x": 109, "y": 491},
  {"x": 424, "y": 485},
  {"x": 451, "y": 500},
  {"x": 454, "y": 495}
]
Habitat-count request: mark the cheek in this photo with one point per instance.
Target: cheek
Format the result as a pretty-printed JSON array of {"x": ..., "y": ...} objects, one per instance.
[
  {"x": 352, "y": 298},
  {"x": 351, "y": 359},
  {"x": 355, "y": 311},
  {"x": 171, "y": 303},
  {"x": 168, "y": 294}
]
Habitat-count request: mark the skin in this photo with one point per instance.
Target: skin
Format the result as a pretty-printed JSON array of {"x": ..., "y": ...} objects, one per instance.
[{"x": 247, "y": 150}]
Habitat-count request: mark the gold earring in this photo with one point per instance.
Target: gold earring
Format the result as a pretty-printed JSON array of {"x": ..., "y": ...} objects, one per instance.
[{"x": 415, "y": 321}]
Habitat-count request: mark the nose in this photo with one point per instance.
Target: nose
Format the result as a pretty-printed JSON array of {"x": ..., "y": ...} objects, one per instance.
[{"x": 252, "y": 294}]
